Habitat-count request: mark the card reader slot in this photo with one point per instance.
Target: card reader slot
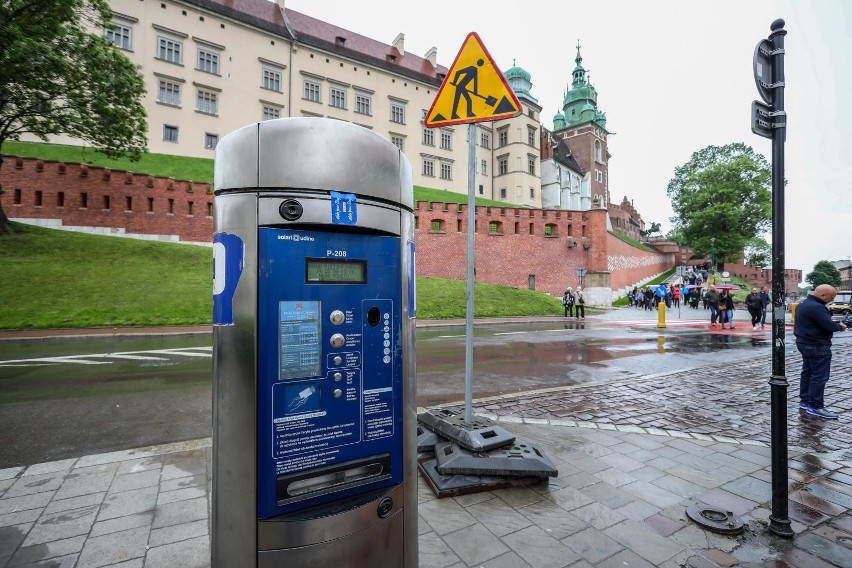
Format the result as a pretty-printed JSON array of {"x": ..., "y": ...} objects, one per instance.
[{"x": 331, "y": 479}]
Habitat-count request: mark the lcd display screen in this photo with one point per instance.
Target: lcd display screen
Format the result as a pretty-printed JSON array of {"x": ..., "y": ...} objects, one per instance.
[{"x": 335, "y": 271}]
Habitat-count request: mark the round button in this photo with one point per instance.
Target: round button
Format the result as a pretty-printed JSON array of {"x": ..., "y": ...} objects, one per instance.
[
  {"x": 386, "y": 358},
  {"x": 336, "y": 317},
  {"x": 337, "y": 340},
  {"x": 338, "y": 376},
  {"x": 338, "y": 360},
  {"x": 338, "y": 393}
]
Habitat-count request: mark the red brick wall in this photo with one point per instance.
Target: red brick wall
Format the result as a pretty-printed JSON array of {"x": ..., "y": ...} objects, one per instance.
[
  {"x": 27, "y": 181},
  {"x": 511, "y": 255},
  {"x": 628, "y": 265},
  {"x": 507, "y": 257}
]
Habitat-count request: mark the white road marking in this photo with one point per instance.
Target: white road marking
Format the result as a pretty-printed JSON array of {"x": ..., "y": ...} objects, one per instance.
[{"x": 151, "y": 355}]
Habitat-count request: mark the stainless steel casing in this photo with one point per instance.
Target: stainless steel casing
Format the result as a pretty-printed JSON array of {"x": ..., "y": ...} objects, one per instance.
[{"x": 257, "y": 168}]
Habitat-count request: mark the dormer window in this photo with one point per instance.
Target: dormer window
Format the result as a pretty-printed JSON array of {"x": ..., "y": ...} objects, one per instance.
[
  {"x": 340, "y": 40},
  {"x": 391, "y": 57}
]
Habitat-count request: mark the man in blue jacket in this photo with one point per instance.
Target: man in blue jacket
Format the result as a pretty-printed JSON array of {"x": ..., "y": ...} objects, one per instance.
[{"x": 814, "y": 329}]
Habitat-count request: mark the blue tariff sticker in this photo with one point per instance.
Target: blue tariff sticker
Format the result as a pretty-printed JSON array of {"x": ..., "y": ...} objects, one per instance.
[
  {"x": 412, "y": 282},
  {"x": 228, "y": 262},
  {"x": 344, "y": 208}
]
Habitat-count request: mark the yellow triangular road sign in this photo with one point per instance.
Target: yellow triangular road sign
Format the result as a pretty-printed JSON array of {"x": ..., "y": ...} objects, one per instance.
[{"x": 474, "y": 90}]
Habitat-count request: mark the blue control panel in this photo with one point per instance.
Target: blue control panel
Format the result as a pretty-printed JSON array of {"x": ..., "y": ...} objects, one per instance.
[{"x": 329, "y": 367}]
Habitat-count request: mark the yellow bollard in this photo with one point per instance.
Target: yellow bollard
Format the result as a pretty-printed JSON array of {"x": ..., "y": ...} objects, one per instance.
[
  {"x": 793, "y": 306},
  {"x": 661, "y": 314}
]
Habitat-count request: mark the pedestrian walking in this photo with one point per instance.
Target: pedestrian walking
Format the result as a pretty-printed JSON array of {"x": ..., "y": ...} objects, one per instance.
[
  {"x": 712, "y": 299},
  {"x": 754, "y": 305},
  {"x": 767, "y": 301},
  {"x": 814, "y": 329},
  {"x": 568, "y": 302},
  {"x": 726, "y": 309},
  {"x": 581, "y": 304}
]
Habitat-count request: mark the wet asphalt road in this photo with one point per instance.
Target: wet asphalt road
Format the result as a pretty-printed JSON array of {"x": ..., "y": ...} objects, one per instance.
[{"x": 73, "y": 397}]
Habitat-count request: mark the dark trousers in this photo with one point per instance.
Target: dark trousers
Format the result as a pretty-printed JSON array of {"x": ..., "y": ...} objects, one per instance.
[
  {"x": 581, "y": 311},
  {"x": 569, "y": 310},
  {"x": 816, "y": 366},
  {"x": 755, "y": 314}
]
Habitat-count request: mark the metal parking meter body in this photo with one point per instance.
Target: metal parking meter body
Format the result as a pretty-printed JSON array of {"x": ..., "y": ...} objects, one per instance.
[{"x": 314, "y": 420}]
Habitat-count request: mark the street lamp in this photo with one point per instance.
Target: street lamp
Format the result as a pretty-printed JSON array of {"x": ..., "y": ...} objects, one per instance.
[{"x": 712, "y": 254}]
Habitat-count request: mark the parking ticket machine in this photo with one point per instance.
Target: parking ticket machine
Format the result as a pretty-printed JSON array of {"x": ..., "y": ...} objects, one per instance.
[{"x": 314, "y": 422}]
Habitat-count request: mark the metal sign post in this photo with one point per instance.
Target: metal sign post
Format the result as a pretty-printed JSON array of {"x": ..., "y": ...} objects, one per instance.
[
  {"x": 770, "y": 121},
  {"x": 476, "y": 87}
]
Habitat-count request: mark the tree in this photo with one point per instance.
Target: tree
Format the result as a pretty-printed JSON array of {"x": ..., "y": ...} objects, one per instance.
[
  {"x": 57, "y": 77},
  {"x": 758, "y": 253},
  {"x": 824, "y": 272},
  {"x": 722, "y": 193}
]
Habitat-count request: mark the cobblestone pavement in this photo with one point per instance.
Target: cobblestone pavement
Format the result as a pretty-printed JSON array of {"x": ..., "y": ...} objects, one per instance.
[{"x": 731, "y": 400}]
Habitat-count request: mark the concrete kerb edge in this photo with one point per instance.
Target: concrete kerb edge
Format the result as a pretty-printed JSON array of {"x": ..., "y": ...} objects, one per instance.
[{"x": 109, "y": 457}]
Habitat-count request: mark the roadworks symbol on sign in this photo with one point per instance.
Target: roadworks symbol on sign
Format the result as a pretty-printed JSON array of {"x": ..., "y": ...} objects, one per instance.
[{"x": 474, "y": 90}]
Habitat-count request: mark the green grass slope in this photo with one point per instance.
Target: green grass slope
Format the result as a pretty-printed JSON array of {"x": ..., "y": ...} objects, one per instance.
[{"x": 60, "y": 279}]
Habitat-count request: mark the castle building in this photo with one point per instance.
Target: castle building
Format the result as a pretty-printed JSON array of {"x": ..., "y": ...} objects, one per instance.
[{"x": 213, "y": 66}]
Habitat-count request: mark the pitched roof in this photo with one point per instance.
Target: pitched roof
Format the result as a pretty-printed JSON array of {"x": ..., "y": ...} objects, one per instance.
[
  {"x": 310, "y": 31},
  {"x": 262, "y": 14},
  {"x": 346, "y": 43}
]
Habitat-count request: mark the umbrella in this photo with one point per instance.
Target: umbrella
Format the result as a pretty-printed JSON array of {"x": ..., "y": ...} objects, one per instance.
[
  {"x": 691, "y": 286},
  {"x": 730, "y": 287}
]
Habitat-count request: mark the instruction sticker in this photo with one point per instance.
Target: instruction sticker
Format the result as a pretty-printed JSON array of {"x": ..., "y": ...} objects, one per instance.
[
  {"x": 228, "y": 262},
  {"x": 344, "y": 208}
]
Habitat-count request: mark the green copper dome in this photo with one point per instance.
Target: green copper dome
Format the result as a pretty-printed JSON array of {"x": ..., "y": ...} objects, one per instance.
[
  {"x": 519, "y": 80},
  {"x": 558, "y": 121},
  {"x": 580, "y": 103}
]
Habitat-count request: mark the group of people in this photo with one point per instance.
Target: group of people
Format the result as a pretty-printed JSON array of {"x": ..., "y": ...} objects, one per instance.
[{"x": 572, "y": 301}]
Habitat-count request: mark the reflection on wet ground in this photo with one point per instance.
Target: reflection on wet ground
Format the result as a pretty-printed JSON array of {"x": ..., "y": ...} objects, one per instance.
[{"x": 542, "y": 355}]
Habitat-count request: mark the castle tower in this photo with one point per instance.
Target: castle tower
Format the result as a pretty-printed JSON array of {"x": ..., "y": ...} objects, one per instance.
[{"x": 583, "y": 125}]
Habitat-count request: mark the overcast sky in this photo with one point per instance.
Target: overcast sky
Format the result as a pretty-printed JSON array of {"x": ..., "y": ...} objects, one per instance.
[{"x": 673, "y": 77}]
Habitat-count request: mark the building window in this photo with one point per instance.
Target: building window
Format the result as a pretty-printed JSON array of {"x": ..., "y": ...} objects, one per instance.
[
  {"x": 169, "y": 93},
  {"x": 550, "y": 230},
  {"x": 481, "y": 189},
  {"x": 190, "y": 210},
  {"x": 128, "y": 203},
  {"x": 502, "y": 137},
  {"x": 398, "y": 142},
  {"x": 208, "y": 61},
  {"x": 428, "y": 167},
  {"x": 270, "y": 112},
  {"x": 503, "y": 195},
  {"x": 337, "y": 97},
  {"x": 210, "y": 141},
  {"x": 437, "y": 226},
  {"x": 84, "y": 200},
  {"x": 150, "y": 205},
  {"x": 598, "y": 153},
  {"x": 598, "y": 175},
  {"x": 494, "y": 228},
  {"x": 207, "y": 102},
  {"x": 446, "y": 140},
  {"x": 171, "y": 206},
  {"x": 485, "y": 167},
  {"x": 60, "y": 199},
  {"x": 503, "y": 166},
  {"x": 120, "y": 34},
  {"x": 531, "y": 165},
  {"x": 446, "y": 171},
  {"x": 397, "y": 113},
  {"x": 531, "y": 137},
  {"x": 362, "y": 104},
  {"x": 532, "y": 193},
  {"x": 210, "y": 209},
  {"x": 38, "y": 198},
  {"x": 169, "y": 50},
  {"x": 311, "y": 91},
  {"x": 485, "y": 140},
  {"x": 271, "y": 79},
  {"x": 170, "y": 133},
  {"x": 428, "y": 137}
]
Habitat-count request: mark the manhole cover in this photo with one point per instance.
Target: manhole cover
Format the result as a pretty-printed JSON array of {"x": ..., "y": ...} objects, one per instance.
[{"x": 714, "y": 519}]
